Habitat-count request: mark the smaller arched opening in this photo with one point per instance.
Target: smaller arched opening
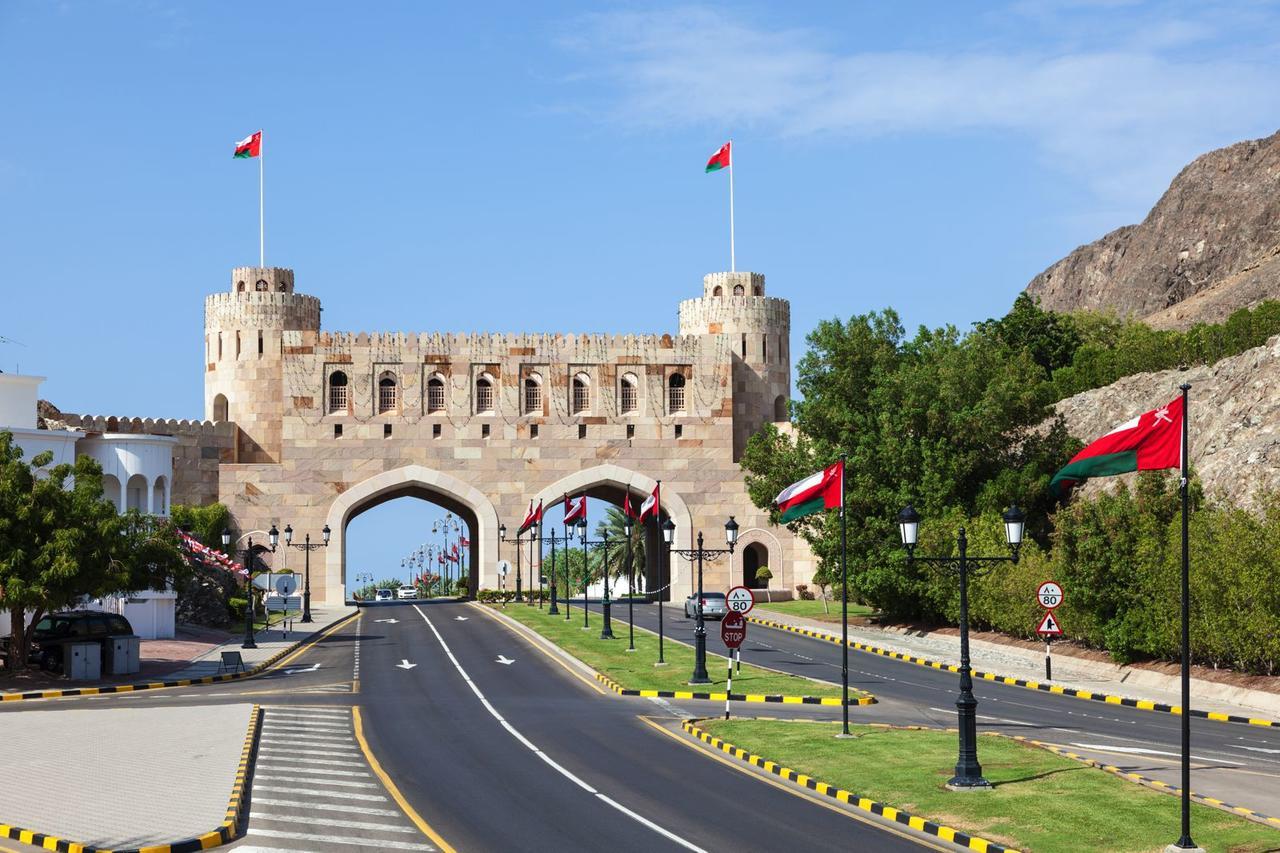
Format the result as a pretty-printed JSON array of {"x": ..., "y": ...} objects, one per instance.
[
  {"x": 220, "y": 407},
  {"x": 675, "y": 393},
  {"x": 239, "y": 287},
  {"x": 719, "y": 291},
  {"x": 261, "y": 286},
  {"x": 338, "y": 397},
  {"x": 780, "y": 408},
  {"x": 160, "y": 497},
  {"x": 435, "y": 394},
  {"x": 280, "y": 288},
  {"x": 533, "y": 394},
  {"x": 388, "y": 393},
  {"x": 581, "y": 393},
  {"x": 111, "y": 490},
  {"x": 136, "y": 493},
  {"x": 755, "y": 291},
  {"x": 629, "y": 394},
  {"x": 754, "y": 556},
  {"x": 484, "y": 394},
  {"x": 739, "y": 290}
]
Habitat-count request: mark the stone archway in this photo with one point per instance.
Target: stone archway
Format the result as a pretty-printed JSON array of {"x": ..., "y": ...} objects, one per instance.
[{"x": 412, "y": 481}]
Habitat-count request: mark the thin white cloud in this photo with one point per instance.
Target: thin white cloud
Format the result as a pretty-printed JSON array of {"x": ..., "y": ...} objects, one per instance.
[{"x": 1122, "y": 118}]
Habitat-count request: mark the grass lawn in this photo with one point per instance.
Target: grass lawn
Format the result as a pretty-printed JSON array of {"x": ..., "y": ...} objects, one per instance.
[
  {"x": 810, "y": 610},
  {"x": 635, "y": 670},
  {"x": 1040, "y": 802}
]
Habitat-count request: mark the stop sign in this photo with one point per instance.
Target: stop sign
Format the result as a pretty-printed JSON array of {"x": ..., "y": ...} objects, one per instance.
[{"x": 733, "y": 630}]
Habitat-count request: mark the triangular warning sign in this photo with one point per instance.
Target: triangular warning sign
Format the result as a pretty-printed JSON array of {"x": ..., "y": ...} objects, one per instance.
[{"x": 1049, "y": 626}]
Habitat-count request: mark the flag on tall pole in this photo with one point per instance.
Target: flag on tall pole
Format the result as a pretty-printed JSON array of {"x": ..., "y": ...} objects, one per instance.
[
  {"x": 251, "y": 146},
  {"x": 1151, "y": 441},
  {"x": 574, "y": 510},
  {"x": 723, "y": 159},
  {"x": 626, "y": 506},
  {"x": 652, "y": 506}
]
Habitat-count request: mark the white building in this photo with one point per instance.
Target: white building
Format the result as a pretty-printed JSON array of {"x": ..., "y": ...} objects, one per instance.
[{"x": 137, "y": 474}]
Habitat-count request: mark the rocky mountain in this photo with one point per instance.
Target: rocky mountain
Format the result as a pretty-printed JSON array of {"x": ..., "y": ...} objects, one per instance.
[
  {"x": 1235, "y": 419},
  {"x": 1211, "y": 245}
]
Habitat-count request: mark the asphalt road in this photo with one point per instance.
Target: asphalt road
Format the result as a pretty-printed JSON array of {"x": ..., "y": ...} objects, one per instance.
[{"x": 1237, "y": 763}]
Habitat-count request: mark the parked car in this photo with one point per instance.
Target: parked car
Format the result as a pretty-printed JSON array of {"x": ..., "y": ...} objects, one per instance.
[
  {"x": 56, "y": 630},
  {"x": 384, "y": 595},
  {"x": 406, "y": 592},
  {"x": 713, "y": 606}
]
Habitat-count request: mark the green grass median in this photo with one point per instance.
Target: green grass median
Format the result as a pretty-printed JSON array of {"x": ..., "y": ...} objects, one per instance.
[
  {"x": 1040, "y": 802},
  {"x": 809, "y": 609},
  {"x": 635, "y": 670}
]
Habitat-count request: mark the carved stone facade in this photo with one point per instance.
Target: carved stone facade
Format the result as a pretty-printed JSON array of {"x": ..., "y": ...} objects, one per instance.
[{"x": 329, "y": 424}]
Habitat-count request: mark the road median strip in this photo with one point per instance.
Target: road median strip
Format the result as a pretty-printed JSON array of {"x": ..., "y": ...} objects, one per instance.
[
  {"x": 1029, "y": 684},
  {"x": 736, "y": 697},
  {"x": 946, "y": 833},
  {"x": 255, "y": 670},
  {"x": 226, "y": 832}
]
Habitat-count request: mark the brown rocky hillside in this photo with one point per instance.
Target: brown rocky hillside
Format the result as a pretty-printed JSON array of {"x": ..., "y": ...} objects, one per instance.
[{"x": 1211, "y": 245}]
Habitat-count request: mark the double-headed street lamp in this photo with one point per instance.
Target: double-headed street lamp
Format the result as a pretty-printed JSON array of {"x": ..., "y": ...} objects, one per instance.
[
  {"x": 700, "y": 554},
  {"x": 442, "y": 526},
  {"x": 606, "y": 633},
  {"x": 502, "y": 537},
  {"x": 968, "y": 770},
  {"x": 306, "y": 547},
  {"x": 273, "y": 536}
]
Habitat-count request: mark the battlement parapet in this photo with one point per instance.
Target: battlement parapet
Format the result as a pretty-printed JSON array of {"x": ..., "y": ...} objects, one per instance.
[
  {"x": 151, "y": 426},
  {"x": 718, "y": 284},
  {"x": 721, "y": 314},
  {"x": 265, "y": 310},
  {"x": 496, "y": 346},
  {"x": 261, "y": 279}
]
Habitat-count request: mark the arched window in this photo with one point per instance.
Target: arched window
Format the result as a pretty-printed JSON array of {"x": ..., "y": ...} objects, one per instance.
[
  {"x": 111, "y": 490},
  {"x": 484, "y": 393},
  {"x": 629, "y": 396},
  {"x": 533, "y": 394},
  {"x": 220, "y": 407},
  {"x": 136, "y": 493},
  {"x": 388, "y": 394},
  {"x": 756, "y": 290},
  {"x": 675, "y": 393},
  {"x": 738, "y": 290},
  {"x": 581, "y": 393},
  {"x": 435, "y": 393},
  {"x": 280, "y": 287},
  {"x": 261, "y": 286},
  {"x": 240, "y": 287},
  {"x": 753, "y": 557},
  {"x": 780, "y": 408},
  {"x": 337, "y": 392},
  {"x": 159, "y": 497},
  {"x": 719, "y": 291}
]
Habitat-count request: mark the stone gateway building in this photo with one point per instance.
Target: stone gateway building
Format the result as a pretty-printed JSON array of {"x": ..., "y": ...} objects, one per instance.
[{"x": 308, "y": 427}]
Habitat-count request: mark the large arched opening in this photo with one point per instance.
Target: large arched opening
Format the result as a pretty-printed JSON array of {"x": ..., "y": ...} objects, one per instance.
[{"x": 477, "y": 522}]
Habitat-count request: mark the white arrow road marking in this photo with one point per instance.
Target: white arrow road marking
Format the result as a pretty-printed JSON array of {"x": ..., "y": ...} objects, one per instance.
[
  {"x": 404, "y": 664},
  {"x": 388, "y": 621},
  {"x": 1257, "y": 749},
  {"x": 311, "y": 668},
  {"x": 515, "y": 733},
  {"x": 503, "y": 659},
  {"x": 460, "y": 618},
  {"x": 1138, "y": 750}
]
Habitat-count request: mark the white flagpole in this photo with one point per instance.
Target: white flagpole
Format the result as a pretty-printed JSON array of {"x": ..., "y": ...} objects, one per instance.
[
  {"x": 262, "y": 240},
  {"x": 732, "y": 260}
]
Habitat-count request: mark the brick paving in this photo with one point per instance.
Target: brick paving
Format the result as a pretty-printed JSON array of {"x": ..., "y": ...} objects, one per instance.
[
  {"x": 269, "y": 643},
  {"x": 121, "y": 777}
]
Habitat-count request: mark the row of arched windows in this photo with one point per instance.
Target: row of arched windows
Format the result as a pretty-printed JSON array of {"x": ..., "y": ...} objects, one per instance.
[
  {"x": 338, "y": 400},
  {"x": 738, "y": 290}
]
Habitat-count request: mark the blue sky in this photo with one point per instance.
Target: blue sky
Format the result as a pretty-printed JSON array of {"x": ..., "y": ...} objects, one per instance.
[{"x": 538, "y": 166}]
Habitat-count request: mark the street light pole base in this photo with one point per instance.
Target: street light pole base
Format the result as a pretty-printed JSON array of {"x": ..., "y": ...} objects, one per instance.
[
  {"x": 661, "y": 663},
  {"x": 628, "y": 650},
  {"x": 1174, "y": 848},
  {"x": 692, "y": 683},
  {"x": 965, "y": 785},
  {"x": 843, "y": 736}
]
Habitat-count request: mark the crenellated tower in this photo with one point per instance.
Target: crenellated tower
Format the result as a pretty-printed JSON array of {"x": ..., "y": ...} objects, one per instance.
[
  {"x": 244, "y": 355},
  {"x": 756, "y": 328}
]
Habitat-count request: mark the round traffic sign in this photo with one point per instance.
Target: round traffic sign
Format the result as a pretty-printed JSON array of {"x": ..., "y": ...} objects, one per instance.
[
  {"x": 733, "y": 630},
  {"x": 740, "y": 600},
  {"x": 1049, "y": 595},
  {"x": 286, "y": 585},
  {"x": 504, "y": 566}
]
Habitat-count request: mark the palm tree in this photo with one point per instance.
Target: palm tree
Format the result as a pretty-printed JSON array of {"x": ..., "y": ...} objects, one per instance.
[{"x": 613, "y": 523}]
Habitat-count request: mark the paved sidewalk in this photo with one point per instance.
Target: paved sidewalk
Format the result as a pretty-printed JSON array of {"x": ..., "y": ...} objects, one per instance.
[
  {"x": 270, "y": 643},
  {"x": 1094, "y": 676},
  {"x": 116, "y": 777}
]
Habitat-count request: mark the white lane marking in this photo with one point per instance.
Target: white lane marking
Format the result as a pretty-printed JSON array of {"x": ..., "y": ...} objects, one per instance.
[
  {"x": 668, "y": 707},
  {"x": 288, "y": 726},
  {"x": 286, "y": 766},
  {"x": 327, "y": 807},
  {"x": 311, "y": 820},
  {"x": 503, "y": 659},
  {"x": 310, "y": 780},
  {"x": 1256, "y": 749},
  {"x": 311, "y": 668},
  {"x": 388, "y": 621},
  {"x": 338, "y": 795},
  {"x": 404, "y": 664},
  {"x": 256, "y": 849},
  {"x": 287, "y": 755},
  {"x": 358, "y": 842},
  {"x": 286, "y": 750},
  {"x": 562, "y": 771},
  {"x": 460, "y": 618},
  {"x": 1138, "y": 750}
]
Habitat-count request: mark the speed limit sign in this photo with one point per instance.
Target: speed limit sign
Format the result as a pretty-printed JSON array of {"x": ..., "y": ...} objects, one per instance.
[
  {"x": 1049, "y": 595},
  {"x": 740, "y": 600}
]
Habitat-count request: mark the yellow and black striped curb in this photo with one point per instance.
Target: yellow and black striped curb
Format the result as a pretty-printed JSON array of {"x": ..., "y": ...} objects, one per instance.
[
  {"x": 1043, "y": 686},
  {"x": 224, "y": 834},
  {"x": 257, "y": 669},
  {"x": 919, "y": 824},
  {"x": 1145, "y": 780},
  {"x": 736, "y": 697}
]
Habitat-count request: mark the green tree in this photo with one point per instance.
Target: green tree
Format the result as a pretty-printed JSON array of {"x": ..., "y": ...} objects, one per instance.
[
  {"x": 62, "y": 541},
  {"x": 205, "y": 523},
  {"x": 614, "y": 524},
  {"x": 763, "y": 575}
]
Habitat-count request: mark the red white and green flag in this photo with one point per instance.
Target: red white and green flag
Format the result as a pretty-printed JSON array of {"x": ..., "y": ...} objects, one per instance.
[
  {"x": 250, "y": 146},
  {"x": 823, "y": 490},
  {"x": 722, "y": 159},
  {"x": 1150, "y": 442},
  {"x": 574, "y": 509},
  {"x": 533, "y": 517},
  {"x": 652, "y": 505}
]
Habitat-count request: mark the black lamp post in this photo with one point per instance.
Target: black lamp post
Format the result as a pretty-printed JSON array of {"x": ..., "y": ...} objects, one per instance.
[
  {"x": 668, "y": 534},
  {"x": 586, "y": 574},
  {"x": 553, "y": 610},
  {"x": 535, "y": 535},
  {"x": 306, "y": 547},
  {"x": 273, "y": 536},
  {"x": 968, "y": 770},
  {"x": 631, "y": 588},
  {"x": 709, "y": 555},
  {"x": 606, "y": 633}
]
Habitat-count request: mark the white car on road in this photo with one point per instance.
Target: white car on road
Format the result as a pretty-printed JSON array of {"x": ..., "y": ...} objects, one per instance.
[
  {"x": 383, "y": 595},
  {"x": 406, "y": 592}
]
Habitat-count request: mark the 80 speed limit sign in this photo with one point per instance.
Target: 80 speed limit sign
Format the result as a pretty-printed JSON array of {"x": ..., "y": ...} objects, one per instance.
[
  {"x": 1049, "y": 595},
  {"x": 739, "y": 600}
]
